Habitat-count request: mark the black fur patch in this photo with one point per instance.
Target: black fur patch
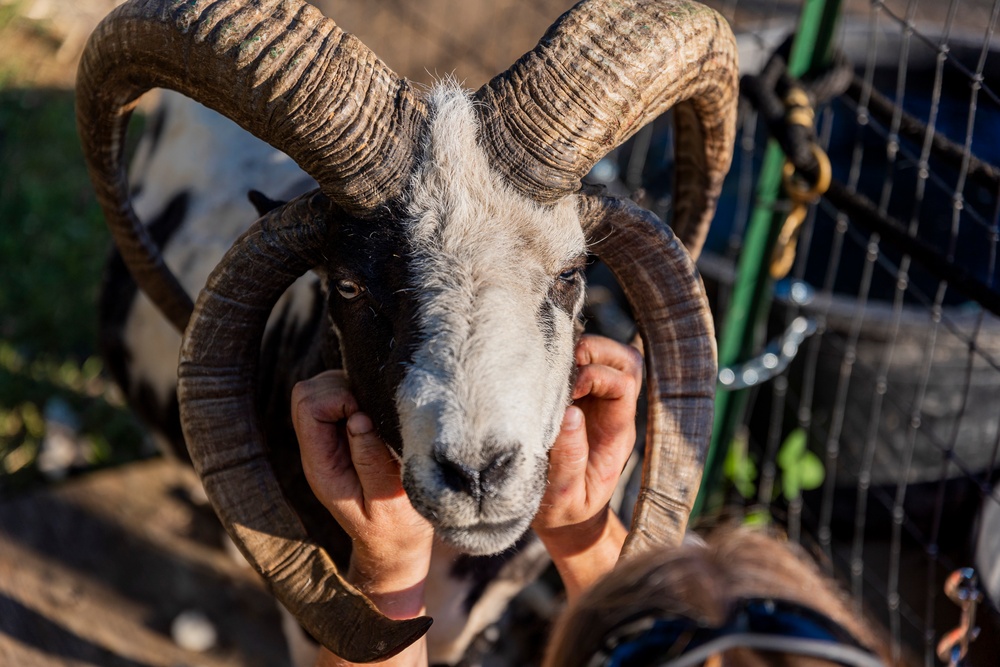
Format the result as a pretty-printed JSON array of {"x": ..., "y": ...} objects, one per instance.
[
  {"x": 293, "y": 350},
  {"x": 565, "y": 291},
  {"x": 547, "y": 323},
  {"x": 262, "y": 202},
  {"x": 481, "y": 570},
  {"x": 118, "y": 292},
  {"x": 378, "y": 327}
]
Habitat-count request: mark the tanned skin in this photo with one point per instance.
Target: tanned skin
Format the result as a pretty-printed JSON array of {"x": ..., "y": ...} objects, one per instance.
[{"x": 354, "y": 475}]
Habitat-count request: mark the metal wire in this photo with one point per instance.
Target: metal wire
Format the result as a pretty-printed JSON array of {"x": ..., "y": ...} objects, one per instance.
[{"x": 878, "y": 569}]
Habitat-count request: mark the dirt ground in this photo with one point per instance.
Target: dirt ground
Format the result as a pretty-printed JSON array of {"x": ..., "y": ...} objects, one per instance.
[
  {"x": 94, "y": 572},
  {"x": 428, "y": 39}
]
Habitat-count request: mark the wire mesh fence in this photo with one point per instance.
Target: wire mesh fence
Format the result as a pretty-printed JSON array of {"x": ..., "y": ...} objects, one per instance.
[{"x": 897, "y": 391}]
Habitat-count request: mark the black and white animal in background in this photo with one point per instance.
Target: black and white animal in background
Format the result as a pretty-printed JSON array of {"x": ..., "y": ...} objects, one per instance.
[{"x": 442, "y": 250}]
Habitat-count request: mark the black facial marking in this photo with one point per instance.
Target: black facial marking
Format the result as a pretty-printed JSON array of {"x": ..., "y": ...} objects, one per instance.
[
  {"x": 566, "y": 289},
  {"x": 547, "y": 323},
  {"x": 564, "y": 295},
  {"x": 378, "y": 326},
  {"x": 262, "y": 202}
]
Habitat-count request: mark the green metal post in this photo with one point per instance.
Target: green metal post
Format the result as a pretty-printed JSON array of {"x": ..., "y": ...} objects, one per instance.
[{"x": 752, "y": 289}]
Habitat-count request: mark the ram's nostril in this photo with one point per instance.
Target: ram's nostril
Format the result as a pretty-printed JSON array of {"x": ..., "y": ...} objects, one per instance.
[
  {"x": 496, "y": 473},
  {"x": 458, "y": 477},
  {"x": 472, "y": 480}
]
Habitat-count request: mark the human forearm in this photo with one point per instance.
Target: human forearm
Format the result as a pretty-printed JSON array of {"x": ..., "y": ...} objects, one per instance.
[
  {"x": 358, "y": 481},
  {"x": 397, "y": 604},
  {"x": 583, "y": 554}
]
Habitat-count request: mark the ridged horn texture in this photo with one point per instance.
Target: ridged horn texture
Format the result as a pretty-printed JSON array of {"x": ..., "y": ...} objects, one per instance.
[
  {"x": 666, "y": 293},
  {"x": 217, "y": 388},
  {"x": 600, "y": 73},
  {"x": 279, "y": 69}
]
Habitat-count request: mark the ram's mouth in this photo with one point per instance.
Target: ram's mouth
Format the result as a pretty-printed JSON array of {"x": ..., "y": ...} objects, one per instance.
[{"x": 484, "y": 539}]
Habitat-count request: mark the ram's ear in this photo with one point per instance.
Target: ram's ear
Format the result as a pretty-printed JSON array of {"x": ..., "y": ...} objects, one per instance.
[{"x": 263, "y": 203}]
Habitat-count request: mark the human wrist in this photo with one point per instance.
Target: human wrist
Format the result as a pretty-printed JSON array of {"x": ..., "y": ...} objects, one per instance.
[
  {"x": 570, "y": 539},
  {"x": 395, "y": 586},
  {"x": 584, "y": 553},
  {"x": 398, "y": 594}
]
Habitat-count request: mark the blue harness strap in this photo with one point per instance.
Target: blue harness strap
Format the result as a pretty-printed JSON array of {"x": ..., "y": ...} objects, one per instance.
[{"x": 763, "y": 624}]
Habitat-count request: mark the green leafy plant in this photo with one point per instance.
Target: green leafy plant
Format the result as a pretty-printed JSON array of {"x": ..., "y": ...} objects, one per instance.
[
  {"x": 739, "y": 468},
  {"x": 53, "y": 243},
  {"x": 799, "y": 470}
]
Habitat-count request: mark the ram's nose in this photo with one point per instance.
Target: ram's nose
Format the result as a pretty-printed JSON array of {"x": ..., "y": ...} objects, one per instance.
[{"x": 477, "y": 481}]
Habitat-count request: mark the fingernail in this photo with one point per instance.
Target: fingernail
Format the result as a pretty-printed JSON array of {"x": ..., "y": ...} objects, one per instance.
[
  {"x": 359, "y": 424},
  {"x": 572, "y": 419}
]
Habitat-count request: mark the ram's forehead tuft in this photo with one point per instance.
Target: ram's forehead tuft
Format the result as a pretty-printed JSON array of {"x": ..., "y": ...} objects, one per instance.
[{"x": 459, "y": 202}]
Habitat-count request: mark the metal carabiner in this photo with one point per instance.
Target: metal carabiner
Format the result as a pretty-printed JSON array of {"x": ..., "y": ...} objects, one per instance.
[
  {"x": 962, "y": 588},
  {"x": 802, "y": 195}
]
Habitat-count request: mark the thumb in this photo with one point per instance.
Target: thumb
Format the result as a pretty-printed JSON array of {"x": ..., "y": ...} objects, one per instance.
[
  {"x": 377, "y": 470},
  {"x": 570, "y": 452}
]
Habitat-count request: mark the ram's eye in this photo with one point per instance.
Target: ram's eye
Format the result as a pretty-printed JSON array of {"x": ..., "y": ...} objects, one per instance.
[
  {"x": 570, "y": 275},
  {"x": 349, "y": 289}
]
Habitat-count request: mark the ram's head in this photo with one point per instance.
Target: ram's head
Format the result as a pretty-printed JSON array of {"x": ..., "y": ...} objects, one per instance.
[{"x": 450, "y": 229}]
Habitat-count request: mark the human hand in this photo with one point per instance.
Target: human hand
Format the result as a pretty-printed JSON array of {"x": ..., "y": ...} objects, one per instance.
[
  {"x": 354, "y": 476},
  {"x": 586, "y": 461}
]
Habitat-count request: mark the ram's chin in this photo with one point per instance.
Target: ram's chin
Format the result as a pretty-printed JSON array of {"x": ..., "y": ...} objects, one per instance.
[{"x": 485, "y": 539}]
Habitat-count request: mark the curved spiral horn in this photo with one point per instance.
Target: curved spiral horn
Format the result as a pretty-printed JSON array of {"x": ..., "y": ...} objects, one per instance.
[
  {"x": 217, "y": 391},
  {"x": 280, "y": 70},
  {"x": 665, "y": 291},
  {"x": 600, "y": 73}
]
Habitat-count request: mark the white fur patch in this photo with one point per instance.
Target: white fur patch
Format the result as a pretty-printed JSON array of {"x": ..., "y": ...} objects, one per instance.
[
  {"x": 209, "y": 156},
  {"x": 455, "y": 627},
  {"x": 485, "y": 258}
]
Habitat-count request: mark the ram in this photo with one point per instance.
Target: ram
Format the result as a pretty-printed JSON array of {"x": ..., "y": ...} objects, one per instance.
[{"x": 442, "y": 234}]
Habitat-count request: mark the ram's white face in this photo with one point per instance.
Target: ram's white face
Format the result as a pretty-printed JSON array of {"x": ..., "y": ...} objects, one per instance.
[{"x": 500, "y": 292}]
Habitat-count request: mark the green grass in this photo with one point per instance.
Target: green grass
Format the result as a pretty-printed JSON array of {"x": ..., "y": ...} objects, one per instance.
[
  {"x": 54, "y": 240},
  {"x": 52, "y": 249}
]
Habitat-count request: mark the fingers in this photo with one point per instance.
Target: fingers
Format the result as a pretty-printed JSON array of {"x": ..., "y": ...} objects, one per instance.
[
  {"x": 317, "y": 405},
  {"x": 346, "y": 468},
  {"x": 607, "y": 369},
  {"x": 601, "y": 351},
  {"x": 605, "y": 382},
  {"x": 570, "y": 453},
  {"x": 324, "y": 398},
  {"x": 607, "y": 387},
  {"x": 377, "y": 470}
]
